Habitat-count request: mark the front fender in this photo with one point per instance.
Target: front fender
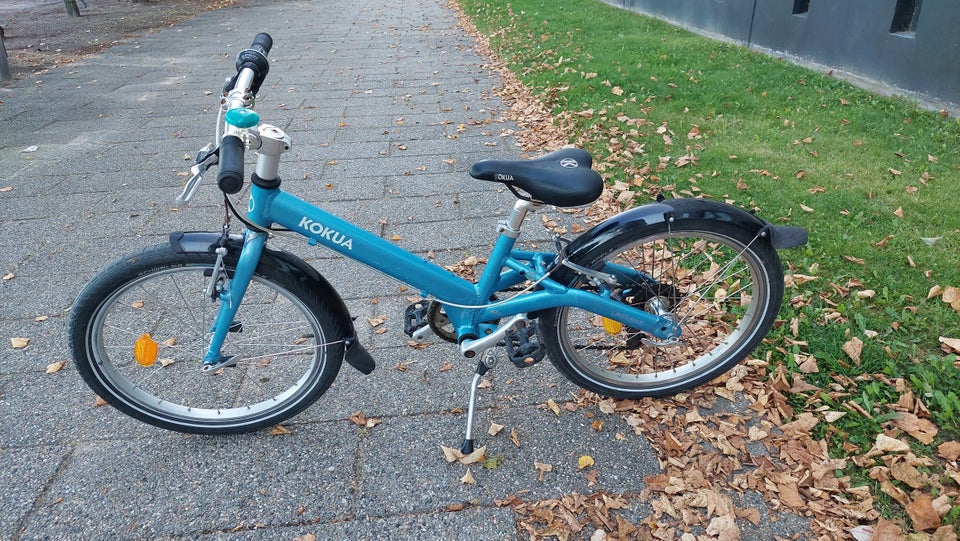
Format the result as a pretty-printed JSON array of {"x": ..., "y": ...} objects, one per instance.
[
  {"x": 678, "y": 210},
  {"x": 207, "y": 242}
]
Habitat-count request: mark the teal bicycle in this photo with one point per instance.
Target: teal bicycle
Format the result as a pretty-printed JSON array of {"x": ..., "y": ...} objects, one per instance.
[{"x": 215, "y": 332}]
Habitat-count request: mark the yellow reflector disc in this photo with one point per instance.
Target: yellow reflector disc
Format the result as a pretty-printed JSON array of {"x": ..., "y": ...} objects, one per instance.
[
  {"x": 145, "y": 350},
  {"x": 611, "y": 326}
]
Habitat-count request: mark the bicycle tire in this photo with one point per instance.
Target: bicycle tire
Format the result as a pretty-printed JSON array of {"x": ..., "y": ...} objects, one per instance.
[
  {"x": 287, "y": 341},
  {"x": 723, "y": 316}
]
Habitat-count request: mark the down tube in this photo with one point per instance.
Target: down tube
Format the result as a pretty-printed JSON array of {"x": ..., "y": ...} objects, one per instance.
[{"x": 361, "y": 245}]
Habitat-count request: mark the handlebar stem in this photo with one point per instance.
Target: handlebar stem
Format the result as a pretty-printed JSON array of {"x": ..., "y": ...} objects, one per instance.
[{"x": 272, "y": 143}]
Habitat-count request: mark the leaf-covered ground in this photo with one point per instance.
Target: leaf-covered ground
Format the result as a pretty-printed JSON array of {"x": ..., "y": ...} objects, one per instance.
[{"x": 790, "y": 443}]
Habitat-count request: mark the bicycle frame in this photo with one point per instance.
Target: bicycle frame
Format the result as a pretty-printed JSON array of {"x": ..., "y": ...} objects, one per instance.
[{"x": 466, "y": 304}]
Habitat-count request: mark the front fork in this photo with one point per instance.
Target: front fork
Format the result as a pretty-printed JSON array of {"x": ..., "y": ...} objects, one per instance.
[{"x": 230, "y": 295}]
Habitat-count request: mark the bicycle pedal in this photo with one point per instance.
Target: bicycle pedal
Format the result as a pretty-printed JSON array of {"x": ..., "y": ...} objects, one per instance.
[
  {"x": 415, "y": 319},
  {"x": 523, "y": 345}
]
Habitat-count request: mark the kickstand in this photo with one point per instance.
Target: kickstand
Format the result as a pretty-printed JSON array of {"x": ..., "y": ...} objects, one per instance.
[{"x": 488, "y": 360}]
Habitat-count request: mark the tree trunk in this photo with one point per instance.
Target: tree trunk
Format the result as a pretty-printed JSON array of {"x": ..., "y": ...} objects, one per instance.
[
  {"x": 72, "y": 9},
  {"x": 5, "y": 73}
]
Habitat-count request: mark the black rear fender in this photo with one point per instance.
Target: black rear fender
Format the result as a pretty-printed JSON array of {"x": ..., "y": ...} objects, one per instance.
[{"x": 678, "y": 211}]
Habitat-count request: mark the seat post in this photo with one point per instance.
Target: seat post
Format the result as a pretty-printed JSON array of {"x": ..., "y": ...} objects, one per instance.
[{"x": 511, "y": 226}]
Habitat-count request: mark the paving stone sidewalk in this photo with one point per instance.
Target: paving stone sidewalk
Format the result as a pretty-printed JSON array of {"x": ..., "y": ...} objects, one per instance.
[{"x": 387, "y": 105}]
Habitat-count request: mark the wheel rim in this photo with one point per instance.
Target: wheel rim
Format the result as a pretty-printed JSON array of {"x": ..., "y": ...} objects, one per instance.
[
  {"x": 713, "y": 285},
  {"x": 281, "y": 353}
]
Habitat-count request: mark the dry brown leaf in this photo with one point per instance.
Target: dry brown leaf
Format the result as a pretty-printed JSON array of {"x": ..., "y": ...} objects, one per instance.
[
  {"x": 553, "y": 406},
  {"x": 19, "y": 343},
  {"x": 949, "y": 450},
  {"x": 950, "y": 345},
  {"x": 908, "y": 474},
  {"x": 809, "y": 365},
  {"x": 280, "y": 430},
  {"x": 899, "y": 212},
  {"x": 53, "y": 368},
  {"x": 514, "y": 437},
  {"x": 455, "y": 455},
  {"x": 494, "y": 428},
  {"x": 8, "y": 276},
  {"x": 468, "y": 479},
  {"x": 853, "y": 349},
  {"x": 922, "y": 514},
  {"x": 542, "y": 468},
  {"x": 886, "y": 444},
  {"x": 358, "y": 418},
  {"x": 921, "y": 429},
  {"x": 887, "y": 531}
]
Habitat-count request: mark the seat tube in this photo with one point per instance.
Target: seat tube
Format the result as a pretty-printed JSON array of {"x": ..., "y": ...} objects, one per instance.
[
  {"x": 509, "y": 230},
  {"x": 232, "y": 295}
]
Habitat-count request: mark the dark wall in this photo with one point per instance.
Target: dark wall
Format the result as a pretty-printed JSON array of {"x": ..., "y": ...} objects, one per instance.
[{"x": 913, "y": 45}]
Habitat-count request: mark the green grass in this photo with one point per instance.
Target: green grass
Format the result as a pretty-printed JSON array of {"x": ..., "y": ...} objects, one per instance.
[{"x": 868, "y": 176}]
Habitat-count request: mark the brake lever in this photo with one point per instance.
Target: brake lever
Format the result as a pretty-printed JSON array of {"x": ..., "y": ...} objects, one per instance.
[{"x": 206, "y": 158}]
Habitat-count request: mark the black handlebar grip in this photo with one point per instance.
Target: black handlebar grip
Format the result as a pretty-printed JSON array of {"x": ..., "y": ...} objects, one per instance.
[
  {"x": 262, "y": 41},
  {"x": 230, "y": 176}
]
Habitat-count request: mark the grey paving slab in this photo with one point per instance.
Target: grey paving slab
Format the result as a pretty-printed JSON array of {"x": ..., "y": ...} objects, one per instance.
[
  {"x": 174, "y": 485},
  {"x": 388, "y": 107},
  {"x": 25, "y": 473}
]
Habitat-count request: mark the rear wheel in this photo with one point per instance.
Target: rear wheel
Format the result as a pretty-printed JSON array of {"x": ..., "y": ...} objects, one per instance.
[
  {"x": 722, "y": 284},
  {"x": 288, "y": 344}
]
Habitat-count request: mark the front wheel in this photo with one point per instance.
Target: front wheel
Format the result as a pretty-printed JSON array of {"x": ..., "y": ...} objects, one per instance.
[
  {"x": 287, "y": 343},
  {"x": 722, "y": 284}
]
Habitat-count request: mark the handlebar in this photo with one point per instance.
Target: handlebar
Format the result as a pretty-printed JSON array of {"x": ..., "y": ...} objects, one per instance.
[{"x": 252, "y": 68}]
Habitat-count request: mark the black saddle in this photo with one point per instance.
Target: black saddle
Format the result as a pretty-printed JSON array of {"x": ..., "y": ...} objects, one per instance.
[{"x": 562, "y": 178}]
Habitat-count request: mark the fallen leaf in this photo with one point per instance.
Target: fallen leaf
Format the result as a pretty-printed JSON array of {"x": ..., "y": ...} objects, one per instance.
[
  {"x": 542, "y": 468},
  {"x": 949, "y": 450},
  {"x": 468, "y": 479},
  {"x": 8, "y": 276},
  {"x": 99, "y": 402},
  {"x": 922, "y": 514},
  {"x": 886, "y": 444},
  {"x": 853, "y": 349},
  {"x": 280, "y": 430},
  {"x": 515, "y": 438},
  {"x": 494, "y": 428},
  {"x": 584, "y": 461},
  {"x": 949, "y": 345},
  {"x": 53, "y": 368},
  {"x": 455, "y": 455},
  {"x": 553, "y": 406},
  {"x": 19, "y": 343},
  {"x": 358, "y": 418}
]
